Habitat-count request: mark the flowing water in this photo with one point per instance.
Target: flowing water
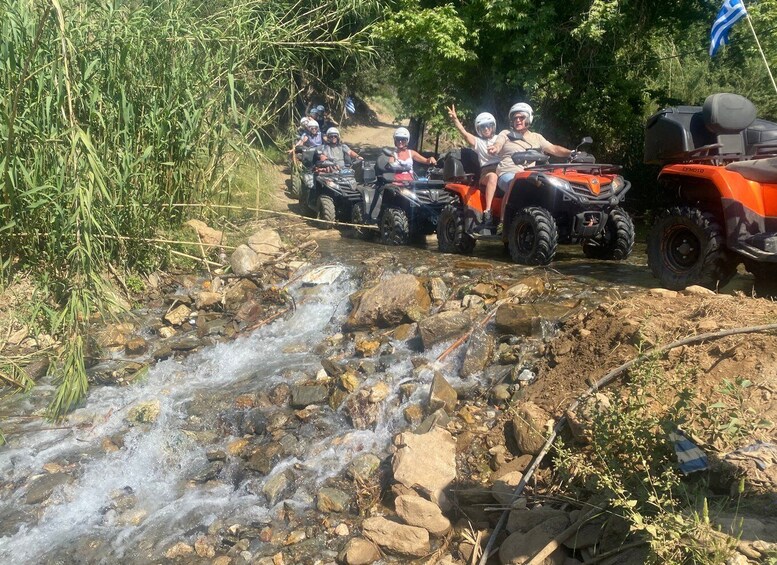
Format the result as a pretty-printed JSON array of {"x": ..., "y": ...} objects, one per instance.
[{"x": 125, "y": 492}]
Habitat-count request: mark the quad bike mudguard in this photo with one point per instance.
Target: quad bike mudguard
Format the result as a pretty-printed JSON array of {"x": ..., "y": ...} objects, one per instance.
[{"x": 746, "y": 207}]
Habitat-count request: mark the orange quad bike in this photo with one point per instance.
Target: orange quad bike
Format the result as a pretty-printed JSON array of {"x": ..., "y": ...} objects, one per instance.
[
  {"x": 545, "y": 204},
  {"x": 719, "y": 176}
]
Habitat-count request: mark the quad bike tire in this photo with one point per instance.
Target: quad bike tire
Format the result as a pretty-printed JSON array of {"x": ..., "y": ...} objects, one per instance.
[
  {"x": 325, "y": 210},
  {"x": 451, "y": 235},
  {"x": 295, "y": 185},
  {"x": 617, "y": 240},
  {"x": 358, "y": 216},
  {"x": 532, "y": 236},
  {"x": 686, "y": 247},
  {"x": 395, "y": 227}
]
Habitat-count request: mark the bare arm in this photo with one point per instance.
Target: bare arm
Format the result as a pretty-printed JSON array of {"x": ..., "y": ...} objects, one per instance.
[
  {"x": 558, "y": 151},
  {"x": 417, "y": 157},
  {"x": 471, "y": 139}
]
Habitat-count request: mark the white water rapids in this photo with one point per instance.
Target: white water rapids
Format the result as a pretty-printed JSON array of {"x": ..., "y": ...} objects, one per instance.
[{"x": 155, "y": 461}]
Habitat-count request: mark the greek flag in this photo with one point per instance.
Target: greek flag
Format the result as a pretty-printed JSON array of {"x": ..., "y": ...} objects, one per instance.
[
  {"x": 730, "y": 13},
  {"x": 350, "y": 106},
  {"x": 689, "y": 457}
]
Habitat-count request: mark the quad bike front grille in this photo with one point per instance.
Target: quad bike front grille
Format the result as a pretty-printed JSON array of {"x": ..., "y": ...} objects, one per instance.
[
  {"x": 434, "y": 197},
  {"x": 605, "y": 191}
]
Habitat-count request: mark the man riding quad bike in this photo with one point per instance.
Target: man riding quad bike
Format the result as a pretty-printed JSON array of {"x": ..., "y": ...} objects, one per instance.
[
  {"x": 719, "y": 180},
  {"x": 544, "y": 205},
  {"x": 404, "y": 210},
  {"x": 333, "y": 192}
]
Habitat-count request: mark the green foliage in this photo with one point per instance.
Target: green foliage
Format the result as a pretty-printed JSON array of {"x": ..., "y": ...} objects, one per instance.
[
  {"x": 632, "y": 459},
  {"x": 114, "y": 111},
  {"x": 426, "y": 51}
]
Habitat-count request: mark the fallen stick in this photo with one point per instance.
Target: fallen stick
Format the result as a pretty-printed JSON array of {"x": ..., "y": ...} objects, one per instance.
[{"x": 604, "y": 381}]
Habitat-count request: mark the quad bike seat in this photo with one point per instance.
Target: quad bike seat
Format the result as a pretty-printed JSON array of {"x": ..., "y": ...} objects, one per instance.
[
  {"x": 758, "y": 170},
  {"x": 461, "y": 164}
]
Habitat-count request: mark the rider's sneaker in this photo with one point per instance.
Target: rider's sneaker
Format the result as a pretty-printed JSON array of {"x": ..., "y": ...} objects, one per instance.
[{"x": 487, "y": 218}]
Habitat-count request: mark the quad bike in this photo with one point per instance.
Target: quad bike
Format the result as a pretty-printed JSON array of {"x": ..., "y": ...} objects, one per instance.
[
  {"x": 404, "y": 210},
  {"x": 719, "y": 176},
  {"x": 333, "y": 192},
  {"x": 545, "y": 204},
  {"x": 302, "y": 171}
]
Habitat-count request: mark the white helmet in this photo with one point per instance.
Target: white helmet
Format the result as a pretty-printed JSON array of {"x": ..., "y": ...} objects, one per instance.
[
  {"x": 303, "y": 123},
  {"x": 333, "y": 131},
  {"x": 312, "y": 124},
  {"x": 401, "y": 133},
  {"x": 523, "y": 108},
  {"x": 483, "y": 120}
]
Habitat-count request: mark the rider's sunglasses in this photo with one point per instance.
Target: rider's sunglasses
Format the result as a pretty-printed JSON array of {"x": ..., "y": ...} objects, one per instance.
[
  {"x": 520, "y": 117},
  {"x": 398, "y": 139},
  {"x": 332, "y": 136}
]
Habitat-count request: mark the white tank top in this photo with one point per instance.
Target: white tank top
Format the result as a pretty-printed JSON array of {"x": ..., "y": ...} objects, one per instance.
[{"x": 404, "y": 163}]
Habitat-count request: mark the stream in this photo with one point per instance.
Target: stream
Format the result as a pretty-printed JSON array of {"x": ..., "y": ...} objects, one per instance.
[{"x": 102, "y": 487}]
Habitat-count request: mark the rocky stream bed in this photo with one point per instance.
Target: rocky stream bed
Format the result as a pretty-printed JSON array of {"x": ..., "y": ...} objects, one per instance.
[{"x": 336, "y": 401}]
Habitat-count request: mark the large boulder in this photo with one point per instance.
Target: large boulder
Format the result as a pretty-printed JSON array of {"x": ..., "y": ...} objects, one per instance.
[
  {"x": 417, "y": 511},
  {"x": 480, "y": 348},
  {"x": 391, "y": 302},
  {"x": 266, "y": 244},
  {"x": 443, "y": 326},
  {"x": 526, "y": 319},
  {"x": 426, "y": 461}
]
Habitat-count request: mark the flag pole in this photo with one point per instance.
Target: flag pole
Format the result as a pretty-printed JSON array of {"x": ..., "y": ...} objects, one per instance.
[{"x": 768, "y": 70}]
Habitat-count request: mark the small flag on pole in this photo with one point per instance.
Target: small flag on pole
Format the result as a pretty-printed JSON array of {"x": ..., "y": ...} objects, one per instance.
[
  {"x": 730, "y": 13},
  {"x": 350, "y": 106}
]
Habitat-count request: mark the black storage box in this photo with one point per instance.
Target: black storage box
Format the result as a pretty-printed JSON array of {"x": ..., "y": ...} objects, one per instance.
[
  {"x": 366, "y": 173},
  {"x": 671, "y": 132}
]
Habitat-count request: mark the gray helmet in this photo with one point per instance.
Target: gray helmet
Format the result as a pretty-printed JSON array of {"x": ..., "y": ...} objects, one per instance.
[
  {"x": 333, "y": 131},
  {"x": 485, "y": 120},
  {"x": 522, "y": 108}
]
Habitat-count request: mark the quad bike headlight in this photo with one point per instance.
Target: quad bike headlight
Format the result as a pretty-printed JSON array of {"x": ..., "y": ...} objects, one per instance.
[
  {"x": 618, "y": 183},
  {"x": 407, "y": 193}
]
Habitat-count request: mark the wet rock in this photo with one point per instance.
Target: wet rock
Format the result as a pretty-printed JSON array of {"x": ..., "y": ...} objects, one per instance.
[
  {"x": 121, "y": 375},
  {"x": 363, "y": 466},
  {"x": 438, "y": 290},
  {"x": 362, "y": 413},
  {"x": 264, "y": 459},
  {"x": 166, "y": 332},
  {"x": 280, "y": 394},
  {"x": 178, "y": 315},
  {"x": 206, "y": 299},
  {"x": 359, "y": 551},
  {"x": 37, "y": 368},
  {"x": 417, "y": 511},
  {"x": 529, "y": 423},
  {"x": 443, "y": 326},
  {"x": 236, "y": 294},
  {"x": 115, "y": 335},
  {"x": 180, "y": 549},
  {"x": 436, "y": 419},
  {"x": 474, "y": 302},
  {"x": 42, "y": 487},
  {"x": 397, "y": 300},
  {"x": 277, "y": 486},
  {"x": 501, "y": 393},
  {"x": 337, "y": 397},
  {"x": 378, "y": 392},
  {"x": 136, "y": 346},
  {"x": 414, "y": 414},
  {"x": 367, "y": 347},
  {"x": 427, "y": 461},
  {"x": 480, "y": 348},
  {"x": 184, "y": 343},
  {"x": 349, "y": 381},
  {"x": 487, "y": 291},
  {"x": 253, "y": 423},
  {"x": 527, "y": 319},
  {"x": 305, "y": 395},
  {"x": 332, "y": 500},
  {"x": 332, "y": 367},
  {"x": 244, "y": 260},
  {"x": 398, "y": 538},
  {"x": 145, "y": 412},
  {"x": 442, "y": 395},
  {"x": 208, "y": 472},
  {"x": 405, "y": 332}
]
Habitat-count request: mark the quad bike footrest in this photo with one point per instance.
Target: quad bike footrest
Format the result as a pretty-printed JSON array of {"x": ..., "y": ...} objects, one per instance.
[
  {"x": 588, "y": 224},
  {"x": 764, "y": 241}
]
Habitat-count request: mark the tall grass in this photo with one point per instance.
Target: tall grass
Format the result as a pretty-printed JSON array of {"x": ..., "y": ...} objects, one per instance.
[{"x": 110, "y": 111}]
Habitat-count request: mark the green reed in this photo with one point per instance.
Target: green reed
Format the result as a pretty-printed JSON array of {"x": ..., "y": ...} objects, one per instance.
[{"x": 113, "y": 110}]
